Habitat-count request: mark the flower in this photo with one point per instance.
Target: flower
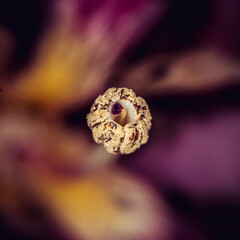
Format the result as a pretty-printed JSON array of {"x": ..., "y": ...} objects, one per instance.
[
  {"x": 182, "y": 57},
  {"x": 47, "y": 165}
]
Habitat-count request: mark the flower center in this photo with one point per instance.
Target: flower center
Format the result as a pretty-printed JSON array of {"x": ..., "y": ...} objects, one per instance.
[
  {"x": 122, "y": 112},
  {"x": 116, "y": 108}
]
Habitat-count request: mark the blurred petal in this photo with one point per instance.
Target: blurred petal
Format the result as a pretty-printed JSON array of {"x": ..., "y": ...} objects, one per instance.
[
  {"x": 26, "y": 141},
  {"x": 75, "y": 56},
  {"x": 186, "y": 73},
  {"x": 60, "y": 170},
  {"x": 197, "y": 157},
  {"x": 109, "y": 204},
  {"x": 223, "y": 29}
]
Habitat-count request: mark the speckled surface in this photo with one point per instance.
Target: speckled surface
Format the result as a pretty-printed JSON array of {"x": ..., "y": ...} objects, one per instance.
[{"x": 116, "y": 138}]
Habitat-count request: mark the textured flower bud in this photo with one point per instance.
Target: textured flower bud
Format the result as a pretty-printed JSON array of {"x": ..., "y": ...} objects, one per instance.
[{"x": 120, "y": 120}]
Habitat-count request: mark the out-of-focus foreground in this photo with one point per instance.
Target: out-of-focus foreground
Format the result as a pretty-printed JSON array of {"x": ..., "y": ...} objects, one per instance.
[{"x": 57, "y": 56}]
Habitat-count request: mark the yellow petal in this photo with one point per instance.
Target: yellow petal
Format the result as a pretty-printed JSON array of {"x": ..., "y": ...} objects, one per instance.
[{"x": 109, "y": 204}]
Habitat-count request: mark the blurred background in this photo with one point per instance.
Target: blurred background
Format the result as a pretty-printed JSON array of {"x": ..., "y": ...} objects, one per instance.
[{"x": 182, "y": 57}]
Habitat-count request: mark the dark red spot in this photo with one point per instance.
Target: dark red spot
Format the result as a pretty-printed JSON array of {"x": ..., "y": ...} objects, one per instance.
[{"x": 116, "y": 108}]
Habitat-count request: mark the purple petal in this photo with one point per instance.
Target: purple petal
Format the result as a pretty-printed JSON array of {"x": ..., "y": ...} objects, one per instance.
[{"x": 200, "y": 157}]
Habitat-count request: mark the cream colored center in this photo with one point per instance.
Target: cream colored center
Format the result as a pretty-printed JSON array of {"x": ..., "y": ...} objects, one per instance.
[{"x": 127, "y": 115}]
